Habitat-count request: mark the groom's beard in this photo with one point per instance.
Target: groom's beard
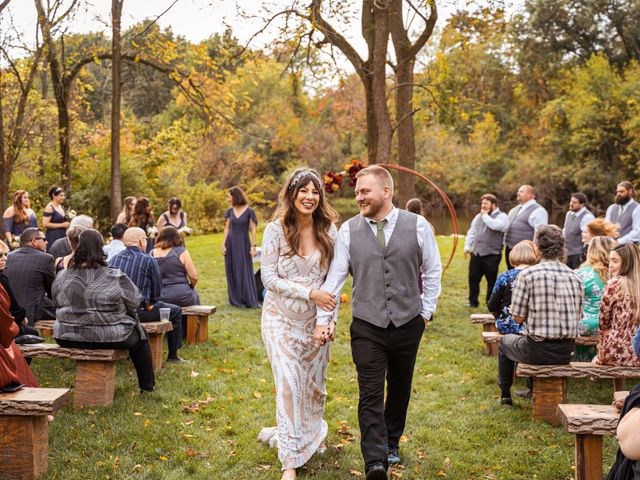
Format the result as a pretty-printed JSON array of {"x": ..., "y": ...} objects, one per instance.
[{"x": 373, "y": 209}]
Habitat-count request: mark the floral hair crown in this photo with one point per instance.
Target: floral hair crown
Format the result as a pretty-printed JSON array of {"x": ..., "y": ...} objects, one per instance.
[{"x": 302, "y": 173}]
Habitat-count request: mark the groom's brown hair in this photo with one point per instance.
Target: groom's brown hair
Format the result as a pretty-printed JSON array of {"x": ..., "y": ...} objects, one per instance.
[{"x": 381, "y": 174}]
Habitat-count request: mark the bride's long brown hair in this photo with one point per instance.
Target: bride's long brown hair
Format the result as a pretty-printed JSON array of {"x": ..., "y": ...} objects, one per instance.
[{"x": 323, "y": 217}]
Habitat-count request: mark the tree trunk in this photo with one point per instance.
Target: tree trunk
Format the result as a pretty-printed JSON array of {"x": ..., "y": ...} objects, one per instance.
[
  {"x": 116, "y": 84},
  {"x": 379, "y": 86},
  {"x": 406, "y": 135},
  {"x": 4, "y": 167}
]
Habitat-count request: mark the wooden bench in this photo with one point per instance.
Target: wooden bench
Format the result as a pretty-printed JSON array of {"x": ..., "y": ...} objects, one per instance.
[
  {"x": 24, "y": 430},
  {"x": 155, "y": 331},
  {"x": 494, "y": 338},
  {"x": 589, "y": 423},
  {"x": 488, "y": 323},
  {"x": 95, "y": 370},
  {"x": 550, "y": 382},
  {"x": 198, "y": 322}
]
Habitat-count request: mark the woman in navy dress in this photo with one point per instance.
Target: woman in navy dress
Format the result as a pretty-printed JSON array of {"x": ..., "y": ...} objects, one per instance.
[
  {"x": 54, "y": 218},
  {"x": 174, "y": 216},
  {"x": 238, "y": 250},
  {"x": 18, "y": 216}
]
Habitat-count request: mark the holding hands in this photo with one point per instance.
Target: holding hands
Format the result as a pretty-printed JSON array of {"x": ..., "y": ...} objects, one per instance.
[
  {"x": 324, "y": 333},
  {"x": 323, "y": 299}
]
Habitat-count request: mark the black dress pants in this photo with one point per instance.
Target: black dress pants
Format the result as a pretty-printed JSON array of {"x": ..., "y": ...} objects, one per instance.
[
  {"x": 139, "y": 352},
  {"x": 507, "y": 251},
  {"x": 174, "y": 338},
  {"x": 482, "y": 266},
  {"x": 380, "y": 353}
]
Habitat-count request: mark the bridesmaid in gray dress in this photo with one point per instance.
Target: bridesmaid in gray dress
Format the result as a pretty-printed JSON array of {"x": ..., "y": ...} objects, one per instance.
[
  {"x": 179, "y": 275},
  {"x": 238, "y": 250}
]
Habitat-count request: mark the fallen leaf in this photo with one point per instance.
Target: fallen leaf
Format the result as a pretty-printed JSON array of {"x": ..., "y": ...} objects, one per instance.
[
  {"x": 403, "y": 439},
  {"x": 257, "y": 394},
  {"x": 147, "y": 422},
  {"x": 355, "y": 473},
  {"x": 441, "y": 473},
  {"x": 138, "y": 414},
  {"x": 190, "y": 452},
  {"x": 163, "y": 458},
  {"x": 194, "y": 374}
]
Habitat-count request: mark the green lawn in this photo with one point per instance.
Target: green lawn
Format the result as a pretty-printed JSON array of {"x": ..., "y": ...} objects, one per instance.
[{"x": 203, "y": 420}]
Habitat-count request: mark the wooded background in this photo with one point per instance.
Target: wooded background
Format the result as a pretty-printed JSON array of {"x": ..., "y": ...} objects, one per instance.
[{"x": 481, "y": 101}]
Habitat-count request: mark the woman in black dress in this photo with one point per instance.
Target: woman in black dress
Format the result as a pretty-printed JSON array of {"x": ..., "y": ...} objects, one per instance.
[
  {"x": 238, "y": 250},
  {"x": 143, "y": 218},
  {"x": 54, "y": 217}
]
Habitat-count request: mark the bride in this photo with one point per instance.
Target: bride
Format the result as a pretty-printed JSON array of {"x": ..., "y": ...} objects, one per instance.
[{"x": 297, "y": 250}]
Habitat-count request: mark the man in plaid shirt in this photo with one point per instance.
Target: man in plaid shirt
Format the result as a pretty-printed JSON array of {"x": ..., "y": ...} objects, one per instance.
[{"x": 548, "y": 298}]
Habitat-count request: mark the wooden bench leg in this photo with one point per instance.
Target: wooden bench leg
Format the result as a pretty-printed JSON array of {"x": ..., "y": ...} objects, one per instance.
[
  {"x": 588, "y": 457},
  {"x": 203, "y": 329},
  {"x": 24, "y": 446},
  {"x": 95, "y": 383},
  {"x": 491, "y": 349},
  {"x": 156, "y": 342},
  {"x": 547, "y": 394},
  {"x": 192, "y": 328},
  {"x": 618, "y": 384}
]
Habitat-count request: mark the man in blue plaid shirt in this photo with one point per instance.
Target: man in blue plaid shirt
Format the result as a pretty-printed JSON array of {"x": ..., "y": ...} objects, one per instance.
[{"x": 548, "y": 298}]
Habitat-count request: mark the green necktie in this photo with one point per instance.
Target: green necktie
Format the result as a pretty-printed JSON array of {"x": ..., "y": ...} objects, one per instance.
[{"x": 380, "y": 233}]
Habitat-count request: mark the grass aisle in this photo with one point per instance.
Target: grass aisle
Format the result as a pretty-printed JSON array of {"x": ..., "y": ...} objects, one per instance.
[{"x": 203, "y": 420}]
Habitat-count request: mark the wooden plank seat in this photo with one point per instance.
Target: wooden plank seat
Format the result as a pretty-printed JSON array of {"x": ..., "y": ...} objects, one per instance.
[
  {"x": 198, "y": 322},
  {"x": 24, "y": 430},
  {"x": 495, "y": 337},
  {"x": 550, "y": 382},
  {"x": 155, "y": 331},
  {"x": 95, "y": 370},
  {"x": 488, "y": 323},
  {"x": 589, "y": 423}
]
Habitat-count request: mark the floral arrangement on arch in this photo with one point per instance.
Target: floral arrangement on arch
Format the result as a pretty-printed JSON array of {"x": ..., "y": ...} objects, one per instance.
[{"x": 333, "y": 181}]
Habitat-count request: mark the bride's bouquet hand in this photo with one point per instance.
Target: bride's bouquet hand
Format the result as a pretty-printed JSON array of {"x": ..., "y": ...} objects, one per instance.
[{"x": 325, "y": 300}]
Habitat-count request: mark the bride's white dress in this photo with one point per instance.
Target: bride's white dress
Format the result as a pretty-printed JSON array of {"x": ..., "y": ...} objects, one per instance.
[{"x": 299, "y": 364}]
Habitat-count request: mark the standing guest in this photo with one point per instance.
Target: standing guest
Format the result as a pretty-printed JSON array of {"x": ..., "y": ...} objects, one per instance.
[
  {"x": 620, "y": 308},
  {"x": 143, "y": 218},
  {"x": 18, "y": 216},
  {"x": 143, "y": 271},
  {"x": 599, "y": 228},
  {"x": 14, "y": 371},
  {"x": 385, "y": 249},
  {"x": 54, "y": 217},
  {"x": 30, "y": 272},
  {"x": 625, "y": 213},
  {"x": 575, "y": 222},
  {"x": 62, "y": 247},
  {"x": 484, "y": 243},
  {"x": 127, "y": 210},
  {"x": 523, "y": 219},
  {"x": 18, "y": 313},
  {"x": 522, "y": 256},
  {"x": 174, "y": 217},
  {"x": 73, "y": 236},
  {"x": 414, "y": 205},
  {"x": 296, "y": 252},
  {"x": 594, "y": 274},
  {"x": 96, "y": 308},
  {"x": 116, "y": 245},
  {"x": 179, "y": 274},
  {"x": 238, "y": 250},
  {"x": 548, "y": 296}
]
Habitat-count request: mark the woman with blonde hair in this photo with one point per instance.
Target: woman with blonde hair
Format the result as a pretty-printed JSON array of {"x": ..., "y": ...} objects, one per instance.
[
  {"x": 297, "y": 250},
  {"x": 620, "y": 308},
  {"x": 127, "y": 210}
]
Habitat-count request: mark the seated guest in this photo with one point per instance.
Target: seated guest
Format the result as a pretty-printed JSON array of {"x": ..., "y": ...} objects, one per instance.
[
  {"x": 116, "y": 246},
  {"x": 143, "y": 218},
  {"x": 73, "y": 236},
  {"x": 598, "y": 228},
  {"x": 548, "y": 297},
  {"x": 18, "y": 313},
  {"x": 414, "y": 205},
  {"x": 179, "y": 275},
  {"x": 18, "y": 216},
  {"x": 61, "y": 247},
  {"x": 144, "y": 272},
  {"x": 636, "y": 342},
  {"x": 97, "y": 308},
  {"x": 30, "y": 273},
  {"x": 627, "y": 464},
  {"x": 14, "y": 371},
  {"x": 620, "y": 308},
  {"x": 127, "y": 210},
  {"x": 522, "y": 256}
]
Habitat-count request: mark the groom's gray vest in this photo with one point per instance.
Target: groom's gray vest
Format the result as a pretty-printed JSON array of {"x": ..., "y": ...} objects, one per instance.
[{"x": 385, "y": 283}]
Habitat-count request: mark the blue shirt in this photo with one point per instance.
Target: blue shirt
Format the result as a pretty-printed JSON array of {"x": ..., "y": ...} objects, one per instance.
[
  {"x": 142, "y": 269},
  {"x": 636, "y": 342}
]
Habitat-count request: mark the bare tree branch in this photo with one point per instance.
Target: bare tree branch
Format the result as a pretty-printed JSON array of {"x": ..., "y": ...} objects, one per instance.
[
  {"x": 4, "y": 4},
  {"x": 153, "y": 22},
  {"x": 408, "y": 115}
]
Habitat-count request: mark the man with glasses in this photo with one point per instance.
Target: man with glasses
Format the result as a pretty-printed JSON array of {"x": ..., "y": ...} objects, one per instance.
[{"x": 30, "y": 272}]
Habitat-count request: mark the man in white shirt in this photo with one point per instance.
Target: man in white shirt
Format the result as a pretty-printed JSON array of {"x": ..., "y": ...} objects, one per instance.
[
  {"x": 116, "y": 245},
  {"x": 388, "y": 252},
  {"x": 575, "y": 222},
  {"x": 524, "y": 219},
  {"x": 625, "y": 213},
  {"x": 484, "y": 243}
]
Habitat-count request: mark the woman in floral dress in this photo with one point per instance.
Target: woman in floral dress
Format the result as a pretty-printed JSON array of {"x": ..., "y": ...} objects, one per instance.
[
  {"x": 620, "y": 308},
  {"x": 297, "y": 250}
]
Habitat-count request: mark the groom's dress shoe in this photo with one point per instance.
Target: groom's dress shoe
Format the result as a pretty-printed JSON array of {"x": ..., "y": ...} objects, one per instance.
[{"x": 377, "y": 472}]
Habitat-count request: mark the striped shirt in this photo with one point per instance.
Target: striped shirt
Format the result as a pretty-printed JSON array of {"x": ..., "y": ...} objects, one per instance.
[
  {"x": 143, "y": 271},
  {"x": 549, "y": 296}
]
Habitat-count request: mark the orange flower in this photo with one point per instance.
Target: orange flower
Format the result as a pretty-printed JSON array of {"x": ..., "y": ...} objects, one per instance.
[
  {"x": 344, "y": 298},
  {"x": 335, "y": 187}
]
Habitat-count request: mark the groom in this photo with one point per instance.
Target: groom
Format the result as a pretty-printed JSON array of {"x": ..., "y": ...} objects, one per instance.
[{"x": 388, "y": 252}]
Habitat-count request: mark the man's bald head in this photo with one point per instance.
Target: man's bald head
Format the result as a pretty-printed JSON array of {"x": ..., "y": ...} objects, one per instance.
[{"x": 133, "y": 236}]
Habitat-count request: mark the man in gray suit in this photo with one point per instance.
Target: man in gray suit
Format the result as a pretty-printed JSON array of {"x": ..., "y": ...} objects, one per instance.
[
  {"x": 390, "y": 253},
  {"x": 30, "y": 272}
]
